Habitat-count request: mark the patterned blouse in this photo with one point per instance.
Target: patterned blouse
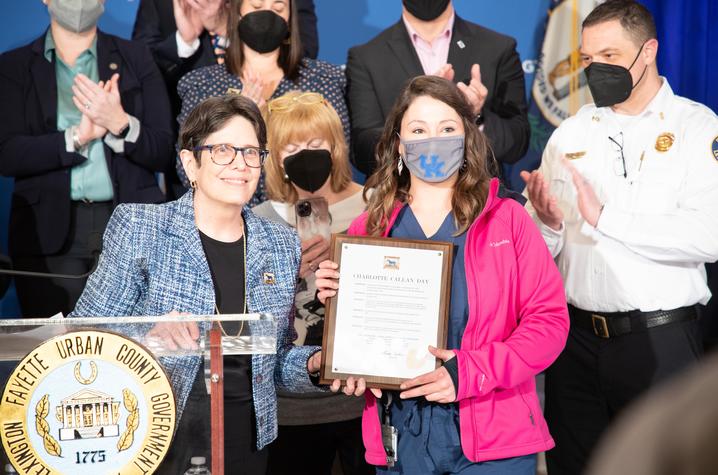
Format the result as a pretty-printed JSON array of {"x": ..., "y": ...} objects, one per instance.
[{"x": 215, "y": 80}]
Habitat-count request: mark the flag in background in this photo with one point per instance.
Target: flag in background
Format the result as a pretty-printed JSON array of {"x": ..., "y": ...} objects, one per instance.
[{"x": 559, "y": 89}]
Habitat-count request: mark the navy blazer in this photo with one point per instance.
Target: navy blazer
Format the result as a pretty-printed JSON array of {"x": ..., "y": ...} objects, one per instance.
[
  {"x": 153, "y": 262},
  {"x": 33, "y": 151}
]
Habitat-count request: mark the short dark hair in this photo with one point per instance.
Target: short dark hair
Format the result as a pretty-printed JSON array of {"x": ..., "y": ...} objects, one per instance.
[
  {"x": 291, "y": 52},
  {"x": 212, "y": 114},
  {"x": 634, "y": 17}
]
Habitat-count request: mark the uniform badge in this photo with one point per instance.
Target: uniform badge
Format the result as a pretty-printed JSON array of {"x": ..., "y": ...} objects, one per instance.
[
  {"x": 665, "y": 141},
  {"x": 575, "y": 155},
  {"x": 268, "y": 278},
  {"x": 714, "y": 147},
  {"x": 87, "y": 402}
]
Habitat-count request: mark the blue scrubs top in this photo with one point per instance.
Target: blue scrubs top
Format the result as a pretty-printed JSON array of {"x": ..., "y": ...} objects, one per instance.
[
  {"x": 407, "y": 227},
  {"x": 429, "y": 438},
  {"x": 426, "y": 427}
]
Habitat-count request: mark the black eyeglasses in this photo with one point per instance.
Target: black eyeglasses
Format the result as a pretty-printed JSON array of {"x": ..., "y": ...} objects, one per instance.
[
  {"x": 223, "y": 154},
  {"x": 619, "y": 165}
]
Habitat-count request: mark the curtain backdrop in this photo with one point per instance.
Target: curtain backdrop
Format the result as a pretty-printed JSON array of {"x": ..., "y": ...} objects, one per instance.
[{"x": 688, "y": 47}]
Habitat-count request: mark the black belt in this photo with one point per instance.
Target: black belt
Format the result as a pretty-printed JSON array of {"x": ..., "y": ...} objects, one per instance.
[{"x": 609, "y": 325}]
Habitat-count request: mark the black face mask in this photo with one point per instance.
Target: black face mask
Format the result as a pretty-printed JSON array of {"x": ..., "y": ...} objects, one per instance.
[
  {"x": 309, "y": 169},
  {"x": 611, "y": 84},
  {"x": 426, "y": 10},
  {"x": 262, "y": 30}
]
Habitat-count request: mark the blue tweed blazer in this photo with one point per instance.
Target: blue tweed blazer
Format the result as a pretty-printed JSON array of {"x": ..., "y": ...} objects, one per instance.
[{"x": 153, "y": 262}]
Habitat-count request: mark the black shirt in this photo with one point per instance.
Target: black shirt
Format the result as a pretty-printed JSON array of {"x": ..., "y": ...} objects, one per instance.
[{"x": 227, "y": 265}]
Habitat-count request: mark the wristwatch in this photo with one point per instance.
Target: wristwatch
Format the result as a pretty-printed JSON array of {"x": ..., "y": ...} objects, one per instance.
[
  {"x": 123, "y": 132},
  {"x": 76, "y": 145}
]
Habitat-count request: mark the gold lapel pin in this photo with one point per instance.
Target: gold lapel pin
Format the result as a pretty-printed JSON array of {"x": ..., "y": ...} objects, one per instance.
[
  {"x": 268, "y": 278},
  {"x": 113, "y": 66},
  {"x": 665, "y": 141}
]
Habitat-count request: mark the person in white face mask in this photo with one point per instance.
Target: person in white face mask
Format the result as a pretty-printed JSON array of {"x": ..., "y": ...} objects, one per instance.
[{"x": 85, "y": 123}]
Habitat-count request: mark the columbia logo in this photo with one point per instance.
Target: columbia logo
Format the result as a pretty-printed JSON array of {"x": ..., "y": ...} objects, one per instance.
[{"x": 499, "y": 243}]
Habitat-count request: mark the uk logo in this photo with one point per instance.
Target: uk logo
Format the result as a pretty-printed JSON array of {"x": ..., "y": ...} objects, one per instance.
[{"x": 431, "y": 167}]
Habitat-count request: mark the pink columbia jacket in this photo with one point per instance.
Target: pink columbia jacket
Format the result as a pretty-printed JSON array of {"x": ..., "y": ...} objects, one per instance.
[{"x": 517, "y": 326}]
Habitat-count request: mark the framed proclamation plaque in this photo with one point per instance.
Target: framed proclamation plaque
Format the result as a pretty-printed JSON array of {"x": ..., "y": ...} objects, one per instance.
[{"x": 392, "y": 303}]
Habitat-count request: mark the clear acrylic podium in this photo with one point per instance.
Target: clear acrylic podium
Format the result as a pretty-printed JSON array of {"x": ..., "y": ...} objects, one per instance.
[{"x": 105, "y": 395}]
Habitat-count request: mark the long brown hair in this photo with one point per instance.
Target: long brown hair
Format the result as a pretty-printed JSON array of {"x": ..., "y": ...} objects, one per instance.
[
  {"x": 472, "y": 186},
  {"x": 290, "y": 52}
]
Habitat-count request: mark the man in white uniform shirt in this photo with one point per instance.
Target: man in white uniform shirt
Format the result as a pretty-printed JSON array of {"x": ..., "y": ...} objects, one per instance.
[{"x": 627, "y": 201}]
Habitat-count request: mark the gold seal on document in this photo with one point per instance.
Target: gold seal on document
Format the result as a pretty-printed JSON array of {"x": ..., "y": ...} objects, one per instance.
[
  {"x": 87, "y": 402},
  {"x": 665, "y": 141}
]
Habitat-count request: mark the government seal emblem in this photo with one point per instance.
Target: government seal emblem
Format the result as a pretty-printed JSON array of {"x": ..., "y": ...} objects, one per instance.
[{"x": 87, "y": 402}]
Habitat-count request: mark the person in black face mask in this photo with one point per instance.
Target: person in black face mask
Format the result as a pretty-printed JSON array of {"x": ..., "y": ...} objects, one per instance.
[
  {"x": 631, "y": 219},
  {"x": 426, "y": 10},
  {"x": 612, "y": 84},
  {"x": 431, "y": 38},
  {"x": 308, "y": 159},
  {"x": 184, "y": 35},
  {"x": 264, "y": 60}
]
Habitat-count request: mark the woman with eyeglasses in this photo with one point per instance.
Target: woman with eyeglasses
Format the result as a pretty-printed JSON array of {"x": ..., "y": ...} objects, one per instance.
[
  {"x": 309, "y": 183},
  {"x": 207, "y": 253},
  {"x": 264, "y": 60}
]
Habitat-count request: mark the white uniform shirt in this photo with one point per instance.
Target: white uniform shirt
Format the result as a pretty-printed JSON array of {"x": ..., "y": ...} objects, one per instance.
[{"x": 659, "y": 225}]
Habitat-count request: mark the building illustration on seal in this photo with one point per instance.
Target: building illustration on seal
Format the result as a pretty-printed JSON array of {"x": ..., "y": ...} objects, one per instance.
[{"x": 88, "y": 414}]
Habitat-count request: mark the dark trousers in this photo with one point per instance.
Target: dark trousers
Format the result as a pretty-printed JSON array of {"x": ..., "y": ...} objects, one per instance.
[
  {"x": 311, "y": 449},
  {"x": 193, "y": 436},
  {"x": 594, "y": 379},
  {"x": 43, "y": 296}
]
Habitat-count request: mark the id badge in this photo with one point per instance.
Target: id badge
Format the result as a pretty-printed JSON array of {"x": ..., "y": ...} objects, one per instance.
[{"x": 390, "y": 438}]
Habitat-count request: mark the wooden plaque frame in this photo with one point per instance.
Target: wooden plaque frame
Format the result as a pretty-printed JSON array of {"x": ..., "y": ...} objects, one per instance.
[{"x": 327, "y": 374}]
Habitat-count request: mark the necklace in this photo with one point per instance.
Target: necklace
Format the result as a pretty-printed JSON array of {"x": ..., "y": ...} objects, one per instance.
[{"x": 244, "y": 305}]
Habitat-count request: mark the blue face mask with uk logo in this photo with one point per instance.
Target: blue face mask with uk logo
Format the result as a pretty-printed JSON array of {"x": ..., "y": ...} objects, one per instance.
[{"x": 434, "y": 159}]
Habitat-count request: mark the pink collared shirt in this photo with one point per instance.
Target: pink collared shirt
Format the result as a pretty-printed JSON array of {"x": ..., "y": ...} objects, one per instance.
[{"x": 435, "y": 54}]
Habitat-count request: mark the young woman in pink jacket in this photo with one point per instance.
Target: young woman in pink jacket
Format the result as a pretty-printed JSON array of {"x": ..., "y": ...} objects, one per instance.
[{"x": 478, "y": 413}]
